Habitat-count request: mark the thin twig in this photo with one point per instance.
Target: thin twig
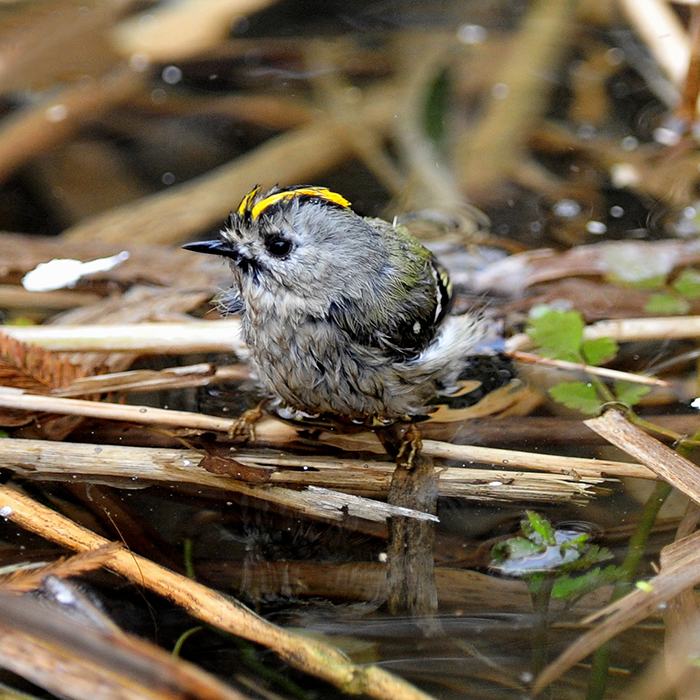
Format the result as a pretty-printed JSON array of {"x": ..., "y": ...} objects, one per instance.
[
  {"x": 275, "y": 432},
  {"x": 221, "y": 611},
  {"x": 627, "y": 611},
  {"x": 533, "y": 359},
  {"x": 663, "y": 34},
  {"x": 181, "y": 29},
  {"x": 668, "y": 464},
  {"x": 143, "y": 338},
  {"x": 626, "y": 330}
]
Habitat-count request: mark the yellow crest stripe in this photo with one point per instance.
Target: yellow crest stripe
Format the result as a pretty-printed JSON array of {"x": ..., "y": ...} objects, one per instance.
[
  {"x": 319, "y": 192},
  {"x": 247, "y": 200}
]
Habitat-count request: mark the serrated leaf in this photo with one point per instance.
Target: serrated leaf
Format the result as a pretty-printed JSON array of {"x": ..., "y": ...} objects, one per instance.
[
  {"x": 566, "y": 587},
  {"x": 599, "y": 350},
  {"x": 558, "y": 334},
  {"x": 577, "y": 395},
  {"x": 31, "y": 368},
  {"x": 688, "y": 283},
  {"x": 630, "y": 393},
  {"x": 666, "y": 304},
  {"x": 593, "y": 554},
  {"x": 538, "y": 528}
]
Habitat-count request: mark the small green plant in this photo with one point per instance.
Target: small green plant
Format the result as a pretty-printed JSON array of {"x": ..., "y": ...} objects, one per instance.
[
  {"x": 669, "y": 296},
  {"x": 556, "y": 563},
  {"x": 541, "y": 550},
  {"x": 675, "y": 297},
  {"x": 559, "y": 335}
]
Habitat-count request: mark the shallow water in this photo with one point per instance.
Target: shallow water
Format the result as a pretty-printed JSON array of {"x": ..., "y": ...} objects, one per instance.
[{"x": 507, "y": 127}]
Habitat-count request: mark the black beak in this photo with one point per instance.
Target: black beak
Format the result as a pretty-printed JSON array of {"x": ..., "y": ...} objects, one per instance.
[{"x": 216, "y": 247}]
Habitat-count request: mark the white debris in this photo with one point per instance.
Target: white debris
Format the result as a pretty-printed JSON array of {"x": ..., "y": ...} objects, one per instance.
[
  {"x": 597, "y": 228},
  {"x": 65, "y": 272}
]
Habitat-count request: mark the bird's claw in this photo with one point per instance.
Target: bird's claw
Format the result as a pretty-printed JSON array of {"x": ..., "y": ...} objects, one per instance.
[{"x": 243, "y": 428}]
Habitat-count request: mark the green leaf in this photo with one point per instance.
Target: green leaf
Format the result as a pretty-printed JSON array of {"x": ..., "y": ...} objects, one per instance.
[
  {"x": 594, "y": 554},
  {"x": 4, "y": 434},
  {"x": 538, "y": 528},
  {"x": 557, "y": 334},
  {"x": 577, "y": 395},
  {"x": 579, "y": 544},
  {"x": 599, "y": 350},
  {"x": 515, "y": 548},
  {"x": 688, "y": 283},
  {"x": 667, "y": 304},
  {"x": 566, "y": 587},
  {"x": 654, "y": 282},
  {"x": 630, "y": 393}
]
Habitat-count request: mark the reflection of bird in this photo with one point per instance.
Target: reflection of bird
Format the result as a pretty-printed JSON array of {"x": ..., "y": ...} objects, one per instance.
[{"x": 343, "y": 315}]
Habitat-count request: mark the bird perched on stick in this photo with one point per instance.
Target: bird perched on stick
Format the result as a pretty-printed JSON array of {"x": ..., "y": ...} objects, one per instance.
[{"x": 344, "y": 315}]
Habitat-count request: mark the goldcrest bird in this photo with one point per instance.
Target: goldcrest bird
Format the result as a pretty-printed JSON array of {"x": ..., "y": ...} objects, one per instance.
[{"x": 344, "y": 315}]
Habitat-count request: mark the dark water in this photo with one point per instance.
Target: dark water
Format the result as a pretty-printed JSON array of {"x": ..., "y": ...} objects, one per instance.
[{"x": 589, "y": 149}]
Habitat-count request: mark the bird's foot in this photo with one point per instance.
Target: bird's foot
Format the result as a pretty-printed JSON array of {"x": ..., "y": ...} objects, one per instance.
[
  {"x": 243, "y": 428},
  {"x": 410, "y": 447}
]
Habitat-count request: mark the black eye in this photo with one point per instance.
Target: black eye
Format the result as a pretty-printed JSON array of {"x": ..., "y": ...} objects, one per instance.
[{"x": 278, "y": 245}]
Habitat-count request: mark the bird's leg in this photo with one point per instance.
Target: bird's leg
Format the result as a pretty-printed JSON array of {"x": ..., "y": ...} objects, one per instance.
[
  {"x": 402, "y": 443},
  {"x": 243, "y": 428},
  {"x": 411, "y": 445}
]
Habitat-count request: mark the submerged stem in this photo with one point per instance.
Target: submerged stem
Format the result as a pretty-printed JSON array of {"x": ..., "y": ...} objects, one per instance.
[
  {"x": 635, "y": 551},
  {"x": 540, "y": 602}
]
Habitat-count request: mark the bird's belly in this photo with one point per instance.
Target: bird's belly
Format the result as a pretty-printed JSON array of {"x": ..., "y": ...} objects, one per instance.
[{"x": 311, "y": 367}]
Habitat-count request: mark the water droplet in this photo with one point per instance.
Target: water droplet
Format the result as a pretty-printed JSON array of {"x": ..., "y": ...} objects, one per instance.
[
  {"x": 171, "y": 75},
  {"x": 567, "y": 208},
  {"x": 139, "y": 62},
  {"x": 597, "y": 228},
  {"x": 629, "y": 143},
  {"x": 500, "y": 91},
  {"x": 471, "y": 34},
  {"x": 57, "y": 113}
]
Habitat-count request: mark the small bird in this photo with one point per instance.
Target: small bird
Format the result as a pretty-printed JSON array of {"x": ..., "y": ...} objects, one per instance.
[{"x": 344, "y": 315}]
